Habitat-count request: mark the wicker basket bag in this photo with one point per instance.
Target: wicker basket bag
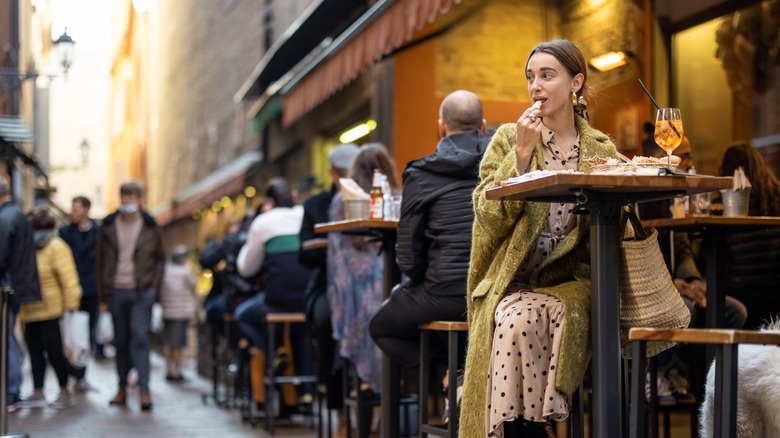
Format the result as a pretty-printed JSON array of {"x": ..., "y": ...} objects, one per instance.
[{"x": 648, "y": 297}]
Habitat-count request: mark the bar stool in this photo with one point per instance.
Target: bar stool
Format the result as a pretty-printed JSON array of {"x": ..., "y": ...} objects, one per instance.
[
  {"x": 726, "y": 365},
  {"x": 454, "y": 329},
  {"x": 234, "y": 376},
  {"x": 271, "y": 379},
  {"x": 217, "y": 365},
  {"x": 363, "y": 404}
]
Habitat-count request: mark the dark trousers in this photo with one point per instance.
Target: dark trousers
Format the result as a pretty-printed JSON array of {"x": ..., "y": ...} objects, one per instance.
[
  {"x": 131, "y": 312},
  {"x": 328, "y": 365},
  {"x": 395, "y": 330},
  {"x": 43, "y": 341}
]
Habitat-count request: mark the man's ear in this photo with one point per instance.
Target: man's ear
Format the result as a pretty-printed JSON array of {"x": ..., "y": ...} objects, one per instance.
[
  {"x": 442, "y": 129},
  {"x": 483, "y": 128}
]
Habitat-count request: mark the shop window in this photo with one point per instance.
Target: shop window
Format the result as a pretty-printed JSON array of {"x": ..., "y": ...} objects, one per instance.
[{"x": 726, "y": 81}]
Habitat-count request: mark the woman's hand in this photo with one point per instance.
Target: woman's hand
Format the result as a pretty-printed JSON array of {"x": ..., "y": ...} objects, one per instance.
[{"x": 529, "y": 126}]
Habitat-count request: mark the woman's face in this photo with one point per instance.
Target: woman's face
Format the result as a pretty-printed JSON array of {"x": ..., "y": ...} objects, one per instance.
[{"x": 550, "y": 83}]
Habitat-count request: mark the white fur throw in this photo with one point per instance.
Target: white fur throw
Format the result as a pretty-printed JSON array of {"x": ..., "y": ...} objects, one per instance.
[{"x": 758, "y": 394}]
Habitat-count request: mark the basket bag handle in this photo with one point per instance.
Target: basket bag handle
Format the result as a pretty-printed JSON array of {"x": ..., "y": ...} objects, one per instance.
[{"x": 629, "y": 214}]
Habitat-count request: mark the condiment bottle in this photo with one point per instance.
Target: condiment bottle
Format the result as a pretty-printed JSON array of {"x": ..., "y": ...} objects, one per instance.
[{"x": 377, "y": 206}]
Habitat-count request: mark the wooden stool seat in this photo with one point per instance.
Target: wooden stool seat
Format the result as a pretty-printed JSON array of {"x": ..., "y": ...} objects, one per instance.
[
  {"x": 271, "y": 379},
  {"x": 446, "y": 326},
  {"x": 276, "y": 318},
  {"x": 453, "y": 330},
  {"x": 704, "y": 336},
  {"x": 726, "y": 343}
]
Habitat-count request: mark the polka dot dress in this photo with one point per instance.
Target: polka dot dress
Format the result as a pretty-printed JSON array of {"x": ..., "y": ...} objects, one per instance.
[{"x": 529, "y": 325}]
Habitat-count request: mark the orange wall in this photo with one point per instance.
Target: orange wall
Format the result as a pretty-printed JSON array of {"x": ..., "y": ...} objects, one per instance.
[{"x": 417, "y": 106}]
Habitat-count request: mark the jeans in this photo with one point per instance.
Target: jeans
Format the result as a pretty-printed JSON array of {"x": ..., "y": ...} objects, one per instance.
[
  {"x": 14, "y": 360},
  {"x": 132, "y": 315}
]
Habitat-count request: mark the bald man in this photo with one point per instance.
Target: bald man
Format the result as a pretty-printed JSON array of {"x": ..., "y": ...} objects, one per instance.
[{"x": 434, "y": 232}]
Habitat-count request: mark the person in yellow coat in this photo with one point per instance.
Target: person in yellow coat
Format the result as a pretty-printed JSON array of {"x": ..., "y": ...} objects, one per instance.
[{"x": 60, "y": 292}]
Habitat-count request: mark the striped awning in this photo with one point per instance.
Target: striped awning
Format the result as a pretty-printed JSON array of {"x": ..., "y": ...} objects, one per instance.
[
  {"x": 385, "y": 27},
  {"x": 12, "y": 130}
]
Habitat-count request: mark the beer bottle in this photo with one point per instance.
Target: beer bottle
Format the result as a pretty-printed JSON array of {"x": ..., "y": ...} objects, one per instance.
[{"x": 377, "y": 208}]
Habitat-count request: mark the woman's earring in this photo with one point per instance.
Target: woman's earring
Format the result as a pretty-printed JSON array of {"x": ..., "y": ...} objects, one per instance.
[{"x": 574, "y": 100}]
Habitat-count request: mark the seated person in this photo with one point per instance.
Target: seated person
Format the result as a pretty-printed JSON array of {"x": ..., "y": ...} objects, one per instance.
[
  {"x": 228, "y": 288},
  {"x": 318, "y": 314},
  {"x": 672, "y": 387},
  {"x": 434, "y": 233},
  {"x": 753, "y": 264},
  {"x": 355, "y": 273},
  {"x": 271, "y": 250}
]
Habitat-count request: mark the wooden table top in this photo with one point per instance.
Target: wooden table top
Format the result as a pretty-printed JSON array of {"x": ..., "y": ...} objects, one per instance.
[
  {"x": 567, "y": 184},
  {"x": 699, "y": 221},
  {"x": 356, "y": 225}
]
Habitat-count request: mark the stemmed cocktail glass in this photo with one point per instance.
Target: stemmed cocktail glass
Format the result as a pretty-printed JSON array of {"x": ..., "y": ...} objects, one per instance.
[{"x": 668, "y": 130}]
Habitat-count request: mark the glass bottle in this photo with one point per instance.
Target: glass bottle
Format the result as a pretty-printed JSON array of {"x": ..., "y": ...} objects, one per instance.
[{"x": 377, "y": 206}]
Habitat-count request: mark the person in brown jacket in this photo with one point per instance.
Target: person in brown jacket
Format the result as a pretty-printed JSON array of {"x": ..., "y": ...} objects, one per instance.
[{"x": 130, "y": 265}]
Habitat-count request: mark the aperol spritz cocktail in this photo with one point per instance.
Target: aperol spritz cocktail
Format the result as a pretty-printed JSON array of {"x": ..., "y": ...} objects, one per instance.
[{"x": 668, "y": 131}]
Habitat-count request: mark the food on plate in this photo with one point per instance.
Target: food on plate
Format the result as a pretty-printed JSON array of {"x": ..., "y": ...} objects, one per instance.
[{"x": 653, "y": 160}]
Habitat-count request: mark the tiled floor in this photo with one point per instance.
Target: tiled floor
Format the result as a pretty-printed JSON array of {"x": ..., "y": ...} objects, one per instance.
[{"x": 178, "y": 411}]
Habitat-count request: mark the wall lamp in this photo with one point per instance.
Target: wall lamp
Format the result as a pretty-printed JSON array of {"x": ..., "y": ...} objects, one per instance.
[
  {"x": 610, "y": 60},
  {"x": 357, "y": 131}
]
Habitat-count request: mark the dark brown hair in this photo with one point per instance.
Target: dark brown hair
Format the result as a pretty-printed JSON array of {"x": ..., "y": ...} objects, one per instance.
[
  {"x": 279, "y": 190},
  {"x": 572, "y": 60},
  {"x": 373, "y": 156},
  {"x": 766, "y": 187},
  {"x": 131, "y": 187},
  {"x": 41, "y": 219},
  {"x": 84, "y": 201}
]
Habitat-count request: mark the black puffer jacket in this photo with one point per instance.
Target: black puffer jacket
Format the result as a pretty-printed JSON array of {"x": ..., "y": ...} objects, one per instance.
[
  {"x": 434, "y": 232},
  {"x": 18, "y": 268}
]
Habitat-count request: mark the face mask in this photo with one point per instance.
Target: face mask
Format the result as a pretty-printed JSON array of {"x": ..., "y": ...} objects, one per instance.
[
  {"x": 41, "y": 237},
  {"x": 128, "y": 209}
]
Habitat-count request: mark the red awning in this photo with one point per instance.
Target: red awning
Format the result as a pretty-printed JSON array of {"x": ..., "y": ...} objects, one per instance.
[{"x": 388, "y": 32}]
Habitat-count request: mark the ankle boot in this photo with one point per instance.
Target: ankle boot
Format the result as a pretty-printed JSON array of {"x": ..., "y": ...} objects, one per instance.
[
  {"x": 146, "y": 401},
  {"x": 120, "y": 399}
]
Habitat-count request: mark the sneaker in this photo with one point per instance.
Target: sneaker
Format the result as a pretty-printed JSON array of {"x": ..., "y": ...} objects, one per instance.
[
  {"x": 83, "y": 386},
  {"x": 664, "y": 391},
  {"x": 679, "y": 386},
  {"x": 34, "y": 401},
  {"x": 14, "y": 404},
  {"x": 63, "y": 401}
]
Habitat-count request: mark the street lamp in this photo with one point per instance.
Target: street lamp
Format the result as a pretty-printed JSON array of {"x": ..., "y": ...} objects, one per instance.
[{"x": 64, "y": 47}]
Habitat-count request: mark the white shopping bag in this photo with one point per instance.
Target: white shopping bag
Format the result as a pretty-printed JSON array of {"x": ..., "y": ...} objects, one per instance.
[
  {"x": 157, "y": 318},
  {"x": 104, "y": 331},
  {"x": 74, "y": 328}
]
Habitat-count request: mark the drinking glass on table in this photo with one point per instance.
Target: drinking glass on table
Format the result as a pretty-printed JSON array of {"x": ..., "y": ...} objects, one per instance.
[{"x": 668, "y": 130}]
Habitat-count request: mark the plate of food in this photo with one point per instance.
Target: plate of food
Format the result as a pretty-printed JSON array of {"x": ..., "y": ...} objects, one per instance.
[{"x": 638, "y": 164}]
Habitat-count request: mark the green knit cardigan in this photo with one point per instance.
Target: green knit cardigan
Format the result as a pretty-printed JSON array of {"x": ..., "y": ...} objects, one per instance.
[{"x": 503, "y": 234}]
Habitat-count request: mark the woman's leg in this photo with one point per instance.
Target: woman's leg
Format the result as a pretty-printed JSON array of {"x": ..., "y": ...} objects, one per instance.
[
  {"x": 51, "y": 339},
  {"x": 32, "y": 333}
]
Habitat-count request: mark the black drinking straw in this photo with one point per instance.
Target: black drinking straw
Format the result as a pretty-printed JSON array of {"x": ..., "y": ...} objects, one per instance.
[{"x": 656, "y": 104}]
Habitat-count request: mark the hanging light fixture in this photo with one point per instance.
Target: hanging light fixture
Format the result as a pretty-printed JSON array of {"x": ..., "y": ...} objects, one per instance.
[
  {"x": 358, "y": 131},
  {"x": 608, "y": 61}
]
